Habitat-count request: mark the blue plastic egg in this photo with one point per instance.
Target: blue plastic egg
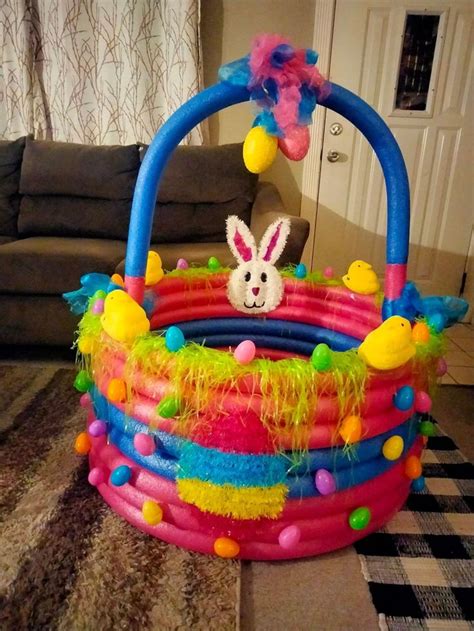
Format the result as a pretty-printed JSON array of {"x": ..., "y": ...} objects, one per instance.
[
  {"x": 301, "y": 271},
  {"x": 174, "y": 339},
  {"x": 404, "y": 398},
  {"x": 121, "y": 475},
  {"x": 418, "y": 484}
]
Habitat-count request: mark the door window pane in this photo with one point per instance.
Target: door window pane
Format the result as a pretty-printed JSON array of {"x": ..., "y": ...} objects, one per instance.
[{"x": 416, "y": 63}]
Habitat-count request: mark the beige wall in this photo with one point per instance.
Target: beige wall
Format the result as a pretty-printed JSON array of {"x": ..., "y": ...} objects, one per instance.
[{"x": 227, "y": 29}]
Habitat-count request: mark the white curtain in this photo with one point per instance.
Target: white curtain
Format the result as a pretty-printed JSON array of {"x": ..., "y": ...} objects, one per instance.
[{"x": 97, "y": 71}]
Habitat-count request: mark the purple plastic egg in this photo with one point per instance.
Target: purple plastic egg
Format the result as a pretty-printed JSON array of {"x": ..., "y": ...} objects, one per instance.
[
  {"x": 96, "y": 476},
  {"x": 422, "y": 402},
  {"x": 98, "y": 307},
  {"x": 144, "y": 444},
  {"x": 245, "y": 352},
  {"x": 182, "y": 264},
  {"x": 325, "y": 482},
  {"x": 289, "y": 537},
  {"x": 97, "y": 428},
  {"x": 442, "y": 367},
  {"x": 328, "y": 272}
]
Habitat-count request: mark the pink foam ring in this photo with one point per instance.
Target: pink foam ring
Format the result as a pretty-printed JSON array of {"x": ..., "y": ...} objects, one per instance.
[
  {"x": 85, "y": 400},
  {"x": 423, "y": 402},
  {"x": 144, "y": 444},
  {"x": 135, "y": 287},
  {"x": 96, "y": 476},
  {"x": 328, "y": 272},
  {"x": 97, "y": 428},
  {"x": 442, "y": 367},
  {"x": 395, "y": 280},
  {"x": 289, "y": 537}
]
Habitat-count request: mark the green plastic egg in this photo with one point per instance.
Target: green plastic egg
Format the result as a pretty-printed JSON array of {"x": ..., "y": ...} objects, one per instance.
[
  {"x": 427, "y": 428},
  {"x": 321, "y": 357},
  {"x": 213, "y": 264},
  {"x": 82, "y": 382},
  {"x": 360, "y": 518},
  {"x": 168, "y": 407}
]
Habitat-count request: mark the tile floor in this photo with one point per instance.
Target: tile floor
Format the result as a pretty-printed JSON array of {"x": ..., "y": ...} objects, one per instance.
[{"x": 460, "y": 355}]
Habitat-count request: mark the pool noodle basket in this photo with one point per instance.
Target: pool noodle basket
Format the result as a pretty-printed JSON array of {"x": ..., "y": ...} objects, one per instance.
[{"x": 197, "y": 514}]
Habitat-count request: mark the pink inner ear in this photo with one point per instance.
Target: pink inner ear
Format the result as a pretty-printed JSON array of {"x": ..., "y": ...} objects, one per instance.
[
  {"x": 242, "y": 248},
  {"x": 272, "y": 244}
]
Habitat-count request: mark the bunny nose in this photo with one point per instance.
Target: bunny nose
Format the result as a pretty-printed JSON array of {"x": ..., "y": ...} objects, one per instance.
[{"x": 255, "y": 291}]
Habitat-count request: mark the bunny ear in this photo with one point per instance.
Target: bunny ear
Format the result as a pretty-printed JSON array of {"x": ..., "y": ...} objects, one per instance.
[
  {"x": 240, "y": 240},
  {"x": 274, "y": 240}
]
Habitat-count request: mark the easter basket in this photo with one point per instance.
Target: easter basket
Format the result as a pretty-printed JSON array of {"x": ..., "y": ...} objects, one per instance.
[{"x": 259, "y": 413}]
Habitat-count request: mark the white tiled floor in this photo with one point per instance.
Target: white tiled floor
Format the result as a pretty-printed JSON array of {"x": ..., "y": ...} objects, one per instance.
[{"x": 460, "y": 355}]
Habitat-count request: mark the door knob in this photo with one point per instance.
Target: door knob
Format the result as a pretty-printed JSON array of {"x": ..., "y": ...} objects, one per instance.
[{"x": 333, "y": 156}]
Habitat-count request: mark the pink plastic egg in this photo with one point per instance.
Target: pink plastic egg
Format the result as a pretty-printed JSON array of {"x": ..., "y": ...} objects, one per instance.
[
  {"x": 96, "y": 476},
  {"x": 325, "y": 482},
  {"x": 245, "y": 352},
  {"x": 442, "y": 367},
  {"x": 182, "y": 264},
  {"x": 144, "y": 444},
  {"x": 98, "y": 307},
  {"x": 422, "y": 402},
  {"x": 289, "y": 537},
  {"x": 328, "y": 272},
  {"x": 97, "y": 428},
  {"x": 295, "y": 144},
  {"x": 85, "y": 400}
]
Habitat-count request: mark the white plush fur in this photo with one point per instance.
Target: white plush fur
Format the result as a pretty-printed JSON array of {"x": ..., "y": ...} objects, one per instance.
[{"x": 256, "y": 286}]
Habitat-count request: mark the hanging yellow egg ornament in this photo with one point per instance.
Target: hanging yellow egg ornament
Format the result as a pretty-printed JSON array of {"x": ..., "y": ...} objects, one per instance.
[{"x": 260, "y": 150}]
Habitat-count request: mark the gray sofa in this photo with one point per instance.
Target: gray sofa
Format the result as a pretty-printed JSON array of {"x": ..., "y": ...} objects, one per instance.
[{"x": 64, "y": 211}]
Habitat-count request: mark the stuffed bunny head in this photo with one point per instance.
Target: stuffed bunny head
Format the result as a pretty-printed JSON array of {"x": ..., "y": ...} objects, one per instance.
[{"x": 256, "y": 285}]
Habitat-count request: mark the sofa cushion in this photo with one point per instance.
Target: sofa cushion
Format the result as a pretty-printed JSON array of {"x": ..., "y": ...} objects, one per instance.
[
  {"x": 61, "y": 168},
  {"x": 62, "y": 216},
  {"x": 53, "y": 265},
  {"x": 11, "y": 153}
]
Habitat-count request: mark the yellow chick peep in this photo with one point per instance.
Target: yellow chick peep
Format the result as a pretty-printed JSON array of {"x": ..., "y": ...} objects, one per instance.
[
  {"x": 154, "y": 269},
  {"x": 123, "y": 319},
  {"x": 361, "y": 278},
  {"x": 389, "y": 346}
]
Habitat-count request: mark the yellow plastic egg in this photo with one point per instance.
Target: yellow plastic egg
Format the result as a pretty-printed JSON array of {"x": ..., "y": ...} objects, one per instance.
[
  {"x": 393, "y": 448},
  {"x": 152, "y": 512},
  {"x": 260, "y": 150},
  {"x": 351, "y": 429},
  {"x": 82, "y": 444},
  {"x": 226, "y": 548},
  {"x": 85, "y": 345}
]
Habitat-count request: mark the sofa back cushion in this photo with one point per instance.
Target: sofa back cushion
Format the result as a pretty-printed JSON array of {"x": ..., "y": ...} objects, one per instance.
[
  {"x": 76, "y": 190},
  {"x": 11, "y": 153}
]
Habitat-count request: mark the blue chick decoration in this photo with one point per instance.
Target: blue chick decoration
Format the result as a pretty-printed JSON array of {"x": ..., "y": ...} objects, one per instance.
[{"x": 78, "y": 299}]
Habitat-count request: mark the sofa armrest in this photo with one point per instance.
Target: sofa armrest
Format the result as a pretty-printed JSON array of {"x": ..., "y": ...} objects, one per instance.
[{"x": 267, "y": 207}]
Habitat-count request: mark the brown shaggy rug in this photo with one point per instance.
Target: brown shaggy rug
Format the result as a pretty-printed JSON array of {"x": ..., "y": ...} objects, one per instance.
[{"x": 66, "y": 561}]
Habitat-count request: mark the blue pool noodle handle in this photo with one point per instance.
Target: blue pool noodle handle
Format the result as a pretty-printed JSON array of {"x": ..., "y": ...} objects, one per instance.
[{"x": 222, "y": 95}]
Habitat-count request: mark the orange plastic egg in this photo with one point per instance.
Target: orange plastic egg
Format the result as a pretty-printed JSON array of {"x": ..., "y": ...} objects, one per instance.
[
  {"x": 117, "y": 279},
  {"x": 413, "y": 467},
  {"x": 117, "y": 391},
  {"x": 226, "y": 548},
  {"x": 420, "y": 333},
  {"x": 82, "y": 444},
  {"x": 351, "y": 429}
]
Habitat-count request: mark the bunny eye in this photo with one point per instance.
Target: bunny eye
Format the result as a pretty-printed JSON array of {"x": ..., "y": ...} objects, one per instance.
[
  {"x": 263, "y": 278},
  {"x": 247, "y": 277}
]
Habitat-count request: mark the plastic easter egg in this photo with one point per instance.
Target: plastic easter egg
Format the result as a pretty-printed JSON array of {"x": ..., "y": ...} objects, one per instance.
[
  {"x": 404, "y": 398},
  {"x": 85, "y": 345},
  {"x": 420, "y": 333},
  {"x": 325, "y": 482},
  {"x": 436, "y": 322},
  {"x": 226, "y": 548},
  {"x": 97, "y": 428},
  {"x": 427, "y": 428},
  {"x": 351, "y": 429},
  {"x": 99, "y": 295},
  {"x": 152, "y": 512},
  {"x": 328, "y": 272},
  {"x": 120, "y": 475},
  {"x": 321, "y": 358},
  {"x": 245, "y": 352},
  {"x": 301, "y": 271},
  {"x": 98, "y": 306},
  {"x": 96, "y": 476},
  {"x": 295, "y": 144},
  {"x": 442, "y": 367},
  {"x": 182, "y": 264},
  {"x": 82, "y": 444},
  {"x": 144, "y": 444},
  {"x": 117, "y": 391},
  {"x": 82, "y": 382},
  {"x": 168, "y": 407},
  {"x": 174, "y": 339},
  {"x": 213, "y": 264},
  {"x": 393, "y": 448},
  {"x": 360, "y": 518},
  {"x": 259, "y": 150},
  {"x": 117, "y": 280},
  {"x": 85, "y": 400},
  {"x": 418, "y": 484},
  {"x": 413, "y": 468},
  {"x": 289, "y": 537},
  {"x": 423, "y": 402}
]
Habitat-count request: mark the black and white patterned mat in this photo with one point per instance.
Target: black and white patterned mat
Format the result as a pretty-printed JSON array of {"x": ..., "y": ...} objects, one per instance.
[{"x": 420, "y": 567}]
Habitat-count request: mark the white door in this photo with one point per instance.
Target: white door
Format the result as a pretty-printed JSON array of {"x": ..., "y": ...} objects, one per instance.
[{"x": 372, "y": 40}]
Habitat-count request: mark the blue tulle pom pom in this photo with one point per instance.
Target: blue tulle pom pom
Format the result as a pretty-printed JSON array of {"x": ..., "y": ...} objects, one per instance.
[
  {"x": 311, "y": 57},
  {"x": 307, "y": 105},
  {"x": 267, "y": 120},
  {"x": 281, "y": 54}
]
